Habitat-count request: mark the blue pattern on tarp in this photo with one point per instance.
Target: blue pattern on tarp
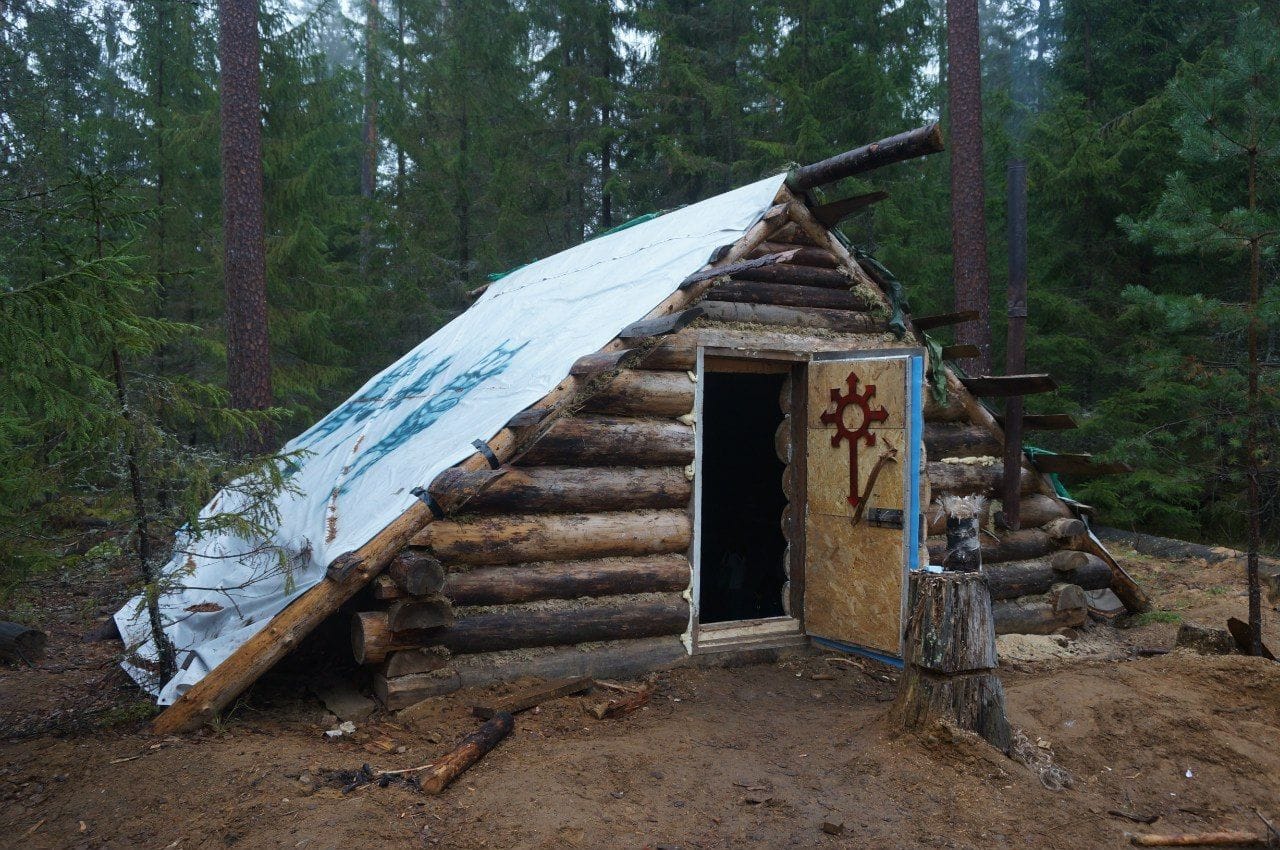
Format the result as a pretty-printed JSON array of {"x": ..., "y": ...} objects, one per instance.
[
  {"x": 492, "y": 364},
  {"x": 367, "y": 403}
]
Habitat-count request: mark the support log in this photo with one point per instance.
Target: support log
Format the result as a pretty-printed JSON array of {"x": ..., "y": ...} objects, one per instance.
[
  {"x": 966, "y": 478},
  {"x": 789, "y": 295},
  {"x": 557, "y": 537},
  {"x": 1013, "y": 579},
  {"x": 803, "y": 256},
  {"x": 644, "y": 393},
  {"x": 539, "y": 489},
  {"x": 908, "y": 145},
  {"x": 801, "y": 317},
  {"x": 468, "y": 751},
  {"x": 517, "y": 627},
  {"x": 1064, "y": 606},
  {"x": 568, "y": 580},
  {"x": 950, "y": 658},
  {"x": 944, "y": 440},
  {"x": 1012, "y": 546},
  {"x": 423, "y": 612},
  {"x": 613, "y": 441},
  {"x": 787, "y": 274}
]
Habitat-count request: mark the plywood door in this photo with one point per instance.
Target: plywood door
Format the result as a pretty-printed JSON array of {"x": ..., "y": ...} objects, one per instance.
[{"x": 855, "y": 572}]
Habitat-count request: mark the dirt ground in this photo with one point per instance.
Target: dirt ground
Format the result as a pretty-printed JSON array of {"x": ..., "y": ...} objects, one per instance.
[{"x": 761, "y": 755}]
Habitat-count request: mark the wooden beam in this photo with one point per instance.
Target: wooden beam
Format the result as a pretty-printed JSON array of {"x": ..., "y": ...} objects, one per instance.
[
  {"x": 1079, "y": 464},
  {"x": 942, "y": 320},
  {"x": 959, "y": 352},
  {"x": 789, "y": 295},
  {"x": 602, "y": 361},
  {"x": 798, "y": 276},
  {"x": 1003, "y": 386},
  {"x": 660, "y": 325},
  {"x": 567, "y": 489},
  {"x": 782, "y": 256},
  {"x": 802, "y": 317},
  {"x": 1045, "y": 421},
  {"x": 568, "y": 580},
  {"x": 557, "y": 537},
  {"x": 903, "y": 146},
  {"x": 641, "y": 392},
  {"x": 831, "y": 214},
  {"x": 612, "y": 441},
  {"x": 528, "y": 698},
  {"x": 802, "y": 255}
]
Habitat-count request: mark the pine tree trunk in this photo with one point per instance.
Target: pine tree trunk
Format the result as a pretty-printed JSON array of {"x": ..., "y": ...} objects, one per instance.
[
  {"x": 1252, "y": 465},
  {"x": 369, "y": 136},
  {"x": 968, "y": 197},
  {"x": 244, "y": 243}
]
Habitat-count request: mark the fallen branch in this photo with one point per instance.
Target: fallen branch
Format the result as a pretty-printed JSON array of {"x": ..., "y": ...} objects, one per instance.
[
  {"x": 1229, "y": 838},
  {"x": 620, "y": 707},
  {"x": 1146, "y": 819},
  {"x": 469, "y": 751}
]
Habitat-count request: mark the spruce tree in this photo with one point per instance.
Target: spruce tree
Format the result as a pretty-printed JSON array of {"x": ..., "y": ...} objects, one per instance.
[{"x": 1225, "y": 203}]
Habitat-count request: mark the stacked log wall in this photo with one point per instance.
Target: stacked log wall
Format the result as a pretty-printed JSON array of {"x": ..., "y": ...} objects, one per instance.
[{"x": 585, "y": 536}]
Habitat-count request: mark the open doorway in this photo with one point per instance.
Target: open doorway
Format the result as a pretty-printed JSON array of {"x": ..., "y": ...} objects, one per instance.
[{"x": 741, "y": 546}]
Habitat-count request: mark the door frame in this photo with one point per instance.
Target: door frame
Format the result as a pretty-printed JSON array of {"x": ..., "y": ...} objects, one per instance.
[{"x": 760, "y": 632}]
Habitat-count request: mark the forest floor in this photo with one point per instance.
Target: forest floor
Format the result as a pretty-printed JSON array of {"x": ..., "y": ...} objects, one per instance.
[{"x": 761, "y": 755}]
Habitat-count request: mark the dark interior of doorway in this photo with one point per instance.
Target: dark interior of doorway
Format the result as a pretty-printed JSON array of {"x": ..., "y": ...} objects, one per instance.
[{"x": 742, "y": 545}]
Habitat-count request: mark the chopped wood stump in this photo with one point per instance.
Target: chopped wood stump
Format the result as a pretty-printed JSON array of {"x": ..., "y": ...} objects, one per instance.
[{"x": 950, "y": 657}]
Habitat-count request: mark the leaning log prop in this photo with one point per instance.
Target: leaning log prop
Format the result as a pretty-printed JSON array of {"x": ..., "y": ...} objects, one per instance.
[
  {"x": 950, "y": 658},
  {"x": 904, "y": 146}
]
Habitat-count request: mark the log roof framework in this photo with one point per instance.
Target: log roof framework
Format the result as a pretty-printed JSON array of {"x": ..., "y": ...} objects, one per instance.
[{"x": 571, "y": 525}]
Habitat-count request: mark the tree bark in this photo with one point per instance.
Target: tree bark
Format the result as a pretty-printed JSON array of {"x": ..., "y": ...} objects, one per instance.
[
  {"x": 789, "y": 295},
  {"x": 1013, "y": 579},
  {"x": 913, "y": 143},
  {"x": 950, "y": 658},
  {"x": 469, "y": 751},
  {"x": 539, "y": 489},
  {"x": 243, "y": 225},
  {"x": 607, "y": 440},
  {"x": 569, "y": 580},
  {"x": 968, "y": 193},
  {"x": 557, "y": 537},
  {"x": 644, "y": 393}
]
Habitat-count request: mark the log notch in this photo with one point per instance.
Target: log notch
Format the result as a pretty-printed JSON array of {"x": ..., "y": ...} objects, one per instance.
[
  {"x": 644, "y": 393},
  {"x": 950, "y": 657},
  {"x": 416, "y": 572},
  {"x": 556, "y": 488},
  {"x": 613, "y": 441},
  {"x": 557, "y": 537}
]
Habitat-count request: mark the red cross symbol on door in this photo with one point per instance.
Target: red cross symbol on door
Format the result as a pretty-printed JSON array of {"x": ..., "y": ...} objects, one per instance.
[{"x": 866, "y": 416}]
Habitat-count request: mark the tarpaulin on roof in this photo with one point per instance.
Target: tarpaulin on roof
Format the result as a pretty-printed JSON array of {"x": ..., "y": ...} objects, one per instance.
[{"x": 419, "y": 417}]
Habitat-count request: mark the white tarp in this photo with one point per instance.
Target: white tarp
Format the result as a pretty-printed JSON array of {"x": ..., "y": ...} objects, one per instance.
[{"x": 420, "y": 416}]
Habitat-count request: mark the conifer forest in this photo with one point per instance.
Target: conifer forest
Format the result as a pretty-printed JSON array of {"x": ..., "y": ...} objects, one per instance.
[{"x": 220, "y": 219}]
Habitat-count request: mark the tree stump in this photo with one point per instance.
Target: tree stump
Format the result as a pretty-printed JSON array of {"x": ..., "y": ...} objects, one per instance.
[{"x": 950, "y": 657}]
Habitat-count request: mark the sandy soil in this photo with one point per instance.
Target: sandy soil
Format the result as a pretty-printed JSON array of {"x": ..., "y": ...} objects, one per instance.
[{"x": 760, "y": 755}]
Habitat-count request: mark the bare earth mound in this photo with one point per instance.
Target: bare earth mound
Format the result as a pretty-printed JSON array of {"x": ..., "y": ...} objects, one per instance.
[{"x": 763, "y": 754}]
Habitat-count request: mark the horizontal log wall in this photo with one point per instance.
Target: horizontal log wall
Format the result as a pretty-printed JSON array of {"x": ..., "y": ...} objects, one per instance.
[
  {"x": 613, "y": 441},
  {"x": 570, "y": 489},
  {"x": 568, "y": 580},
  {"x": 644, "y": 393},
  {"x": 557, "y": 537},
  {"x": 1036, "y": 510}
]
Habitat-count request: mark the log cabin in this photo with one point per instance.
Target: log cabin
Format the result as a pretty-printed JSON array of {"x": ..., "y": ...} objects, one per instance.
[{"x": 713, "y": 435}]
